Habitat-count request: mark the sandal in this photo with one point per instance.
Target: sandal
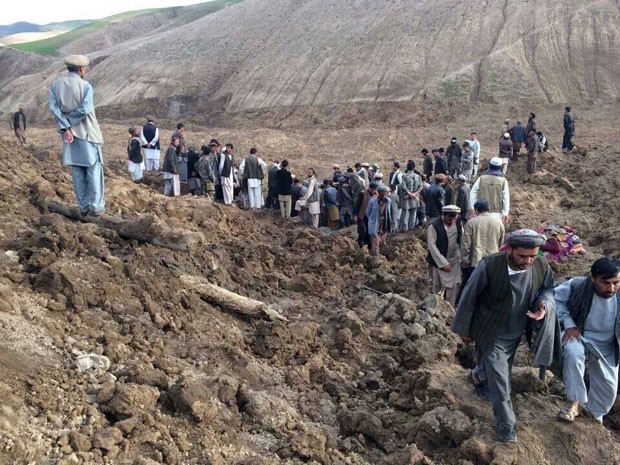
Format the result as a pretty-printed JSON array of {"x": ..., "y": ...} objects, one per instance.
[{"x": 568, "y": 415}]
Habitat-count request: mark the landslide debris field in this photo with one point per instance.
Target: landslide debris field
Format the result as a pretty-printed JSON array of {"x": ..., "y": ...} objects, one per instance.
[{"x": 348, "y": 377}]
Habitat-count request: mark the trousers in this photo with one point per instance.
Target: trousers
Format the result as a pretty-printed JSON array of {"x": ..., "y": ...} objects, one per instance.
[
  {"x": 498, "y": 368},
  {"x": 255, "y": 197},
  {"x": 89, "y": 187},
  {"x": 531, "y": 162},
  {"x": 285, "y": 205},
  {"x": 599, "y": 399},
  {"x": 408, "y": 219}
]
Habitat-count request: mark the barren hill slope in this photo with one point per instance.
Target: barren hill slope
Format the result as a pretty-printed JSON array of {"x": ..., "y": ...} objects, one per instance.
[{"x": 263, "y": 54}]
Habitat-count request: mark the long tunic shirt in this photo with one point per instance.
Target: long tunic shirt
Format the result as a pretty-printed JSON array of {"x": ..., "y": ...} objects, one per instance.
[
  {"x": 476, "y": 286},
  {"x": 448, "y": 279},
  {"x": 71, "y": 101},
  {"x": 600, "y": 323}
]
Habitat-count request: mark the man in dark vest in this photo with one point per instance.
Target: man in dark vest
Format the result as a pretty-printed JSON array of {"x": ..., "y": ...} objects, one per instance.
[
  {"x": 150, "y": 144},
  {"x": 444, "y": 253},
  {"x": 252, "y": 171},
  {"x": 588, "y": 308},
  {"x": 506, "y": 293}
]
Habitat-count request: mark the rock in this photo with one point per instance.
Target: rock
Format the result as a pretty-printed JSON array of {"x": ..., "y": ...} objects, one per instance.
[
  {"x": 105, "y": 393},
  {"x": 565, "y": 183},
  {"x": 344, "y": 339},
  {"x": 383, "y": 281},
  {"x": 150, "y": 377},
  {"x": 70, "y": 460},
  {"x": 525, "y": 379},
  {"x": 310, "y": 444},
  {"x": 304, "y": 331},
  {"x": 360, "y": 422},
  {"x": 106, "y": 439},
  {"x": 398, "y": 308},
  {"x": 187, "y": 392},
  {"x": 442, "y": 427},
  {"x": 408, "y": 456},
  {"x": 542, "y": 178},
  {"x": 477, "y": 450},
  {"x": 128, "y": 425},
  {"x": 131, "y": 399},
  {"x": 428, "y": 349},
  {"x": 433, "y": 305},
  {"x": 79, "y": 442},
  {"x": 269, "y": 411},
  {"x": 86, "y": 362}
]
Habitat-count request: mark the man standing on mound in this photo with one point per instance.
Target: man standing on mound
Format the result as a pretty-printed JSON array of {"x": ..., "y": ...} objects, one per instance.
[
  {"x": 71, "y": 102},
  {"x": 588, "y": 310},
  {"x": 506, "y": 292}
]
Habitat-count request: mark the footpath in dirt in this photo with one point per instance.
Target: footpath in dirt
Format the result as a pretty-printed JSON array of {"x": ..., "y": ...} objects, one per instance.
[{"x": 115, "y": 347}]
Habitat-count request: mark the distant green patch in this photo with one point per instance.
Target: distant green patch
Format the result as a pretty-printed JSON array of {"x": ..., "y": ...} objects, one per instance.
[{"x": 184, "y": 15}]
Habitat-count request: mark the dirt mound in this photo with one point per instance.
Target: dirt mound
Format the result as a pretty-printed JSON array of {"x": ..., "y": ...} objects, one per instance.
[{"x": 349, "y": 376}]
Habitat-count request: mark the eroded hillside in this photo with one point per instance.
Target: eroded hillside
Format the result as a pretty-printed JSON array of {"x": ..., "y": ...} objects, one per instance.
[{"x": 262, "y": 54}]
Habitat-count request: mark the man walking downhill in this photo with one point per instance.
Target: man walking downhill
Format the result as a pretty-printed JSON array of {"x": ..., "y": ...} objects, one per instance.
[
  {"x": 71, "y": 101},
  {"x": 506, "y": 292},
  {"x": 588, "y": 308}
]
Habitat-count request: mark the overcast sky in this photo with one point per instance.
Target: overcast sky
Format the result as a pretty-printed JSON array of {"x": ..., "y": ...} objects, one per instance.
[{"x": 50, "y": 11}]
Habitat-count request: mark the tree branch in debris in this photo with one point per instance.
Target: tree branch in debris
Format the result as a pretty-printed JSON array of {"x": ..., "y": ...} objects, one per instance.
[
  {"x": 230, "y": 301},
  {"x": 147, "y": 229}
]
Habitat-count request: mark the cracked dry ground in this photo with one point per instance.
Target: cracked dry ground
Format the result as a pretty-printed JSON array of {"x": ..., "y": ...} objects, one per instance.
[{"x": 350, "y": 378}]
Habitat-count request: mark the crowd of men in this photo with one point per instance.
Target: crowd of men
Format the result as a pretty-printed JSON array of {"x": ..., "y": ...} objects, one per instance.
[{"x": 501, "y": 285}]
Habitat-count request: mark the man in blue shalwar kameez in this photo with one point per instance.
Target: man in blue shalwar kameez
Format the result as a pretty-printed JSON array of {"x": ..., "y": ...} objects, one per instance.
[{"x": 71, "y": 102}]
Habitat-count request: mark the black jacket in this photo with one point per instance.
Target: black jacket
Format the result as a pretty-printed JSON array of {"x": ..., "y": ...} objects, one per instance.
[
  {"x": 284, "y": 181},
  {"x": 171, "y": 165},
  {"x": 134, "y": 152},
  {"x": 434, "y": 200}
]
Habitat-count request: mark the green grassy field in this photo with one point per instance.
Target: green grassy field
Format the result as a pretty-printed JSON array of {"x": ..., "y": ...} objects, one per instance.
[{"x": 51, "y": 46}]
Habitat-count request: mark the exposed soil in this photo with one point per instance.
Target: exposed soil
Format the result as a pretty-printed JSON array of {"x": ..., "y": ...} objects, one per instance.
[{"x": 352, "y": 377}]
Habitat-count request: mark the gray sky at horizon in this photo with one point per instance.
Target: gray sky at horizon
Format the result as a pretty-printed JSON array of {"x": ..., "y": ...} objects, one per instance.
[{"x": 46, "y": 11}]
